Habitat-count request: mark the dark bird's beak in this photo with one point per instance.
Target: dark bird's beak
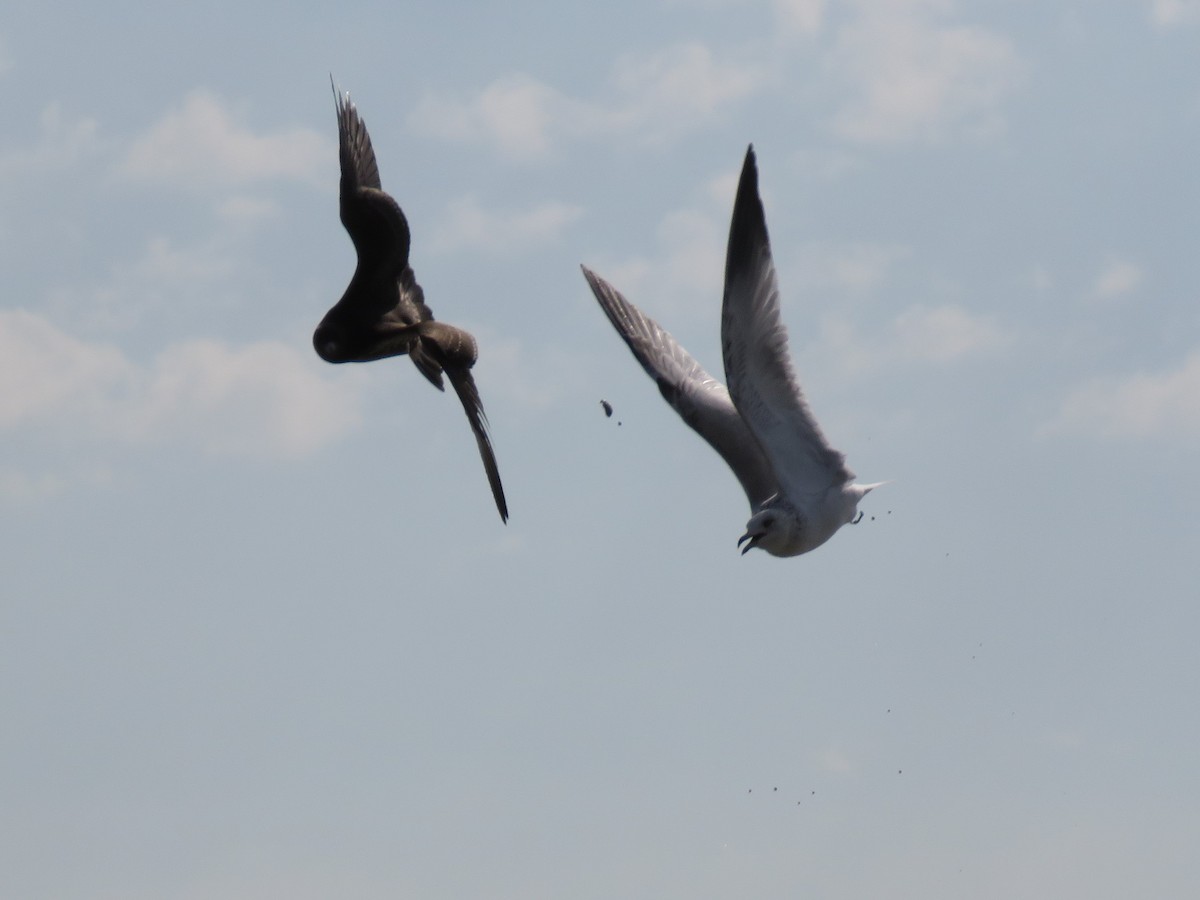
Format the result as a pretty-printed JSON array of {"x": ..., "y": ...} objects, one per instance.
[{"x": 751, "y": 542}]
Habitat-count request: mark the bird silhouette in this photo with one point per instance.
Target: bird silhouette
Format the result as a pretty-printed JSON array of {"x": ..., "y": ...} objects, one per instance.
[
  {"x": 383, "y": 311},
  {"x": 799, "y": 488}
]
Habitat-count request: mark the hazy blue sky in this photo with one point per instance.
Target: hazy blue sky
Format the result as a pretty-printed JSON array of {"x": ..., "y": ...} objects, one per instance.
[{"x": 262, "y": 633}]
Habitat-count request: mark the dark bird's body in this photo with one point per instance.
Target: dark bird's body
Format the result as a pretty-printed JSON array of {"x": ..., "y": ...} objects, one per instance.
[{"x": 382, "y": 312}]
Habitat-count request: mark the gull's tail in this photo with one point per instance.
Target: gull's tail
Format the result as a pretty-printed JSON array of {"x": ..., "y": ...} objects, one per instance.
[{"x": 861, "y": 490}]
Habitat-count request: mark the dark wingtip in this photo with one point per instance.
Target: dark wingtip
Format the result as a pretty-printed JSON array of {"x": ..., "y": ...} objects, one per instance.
[{"x": 748, "y": 226}]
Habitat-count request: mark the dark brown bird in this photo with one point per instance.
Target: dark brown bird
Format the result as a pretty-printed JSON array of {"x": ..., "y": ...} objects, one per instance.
[{"x": 383, "y": 311}]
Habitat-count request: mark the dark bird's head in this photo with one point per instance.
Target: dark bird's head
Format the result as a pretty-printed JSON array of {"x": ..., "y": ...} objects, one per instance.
[{"x": 330, "y": 343}]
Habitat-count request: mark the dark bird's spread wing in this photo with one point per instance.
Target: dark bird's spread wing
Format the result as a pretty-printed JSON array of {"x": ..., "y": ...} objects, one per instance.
[
  {"x": 757, "y": 366},
  {"x": 373, "y": 219},
  {"x": 699, "y": 399}
]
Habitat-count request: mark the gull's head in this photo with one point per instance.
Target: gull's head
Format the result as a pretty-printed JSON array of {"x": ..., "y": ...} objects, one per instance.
[{"x": 776, "y": 530}]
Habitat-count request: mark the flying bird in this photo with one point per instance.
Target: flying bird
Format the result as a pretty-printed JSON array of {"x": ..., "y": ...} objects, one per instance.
[
  {"x": 383, "y": 311},
  {"x": 799, "y": 487}
]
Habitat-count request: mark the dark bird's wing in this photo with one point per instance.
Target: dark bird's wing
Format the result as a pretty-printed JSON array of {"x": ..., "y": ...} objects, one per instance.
[
  {"x": 699, "y": 399},
  {"x": 757, "y": 366},
  {"x": 373, "y": 219}
]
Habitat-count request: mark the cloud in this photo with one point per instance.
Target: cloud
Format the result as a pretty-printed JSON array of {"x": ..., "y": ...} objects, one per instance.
[
  {"x": 1141, "y": 406},
  {"x": 835, "y": 760},
  {"x": 851, "y": 268},
  {"x": 654, "y": 98},
  {"x": 1118, "y": 278},
  {"x": 920, "y": 335},
  {"x": 62, "y": 142},
  {"x": 803, "y": 17},
  {"x": 262, "y": 399},
  {"x": 943, "y": 334},
  {"x": 1169, "y": 13},
  {"x": 688, "y": 263},
  {"x": 516, "y": 113},
  {"x": 515, "y": 371},
  {"x": 466, "y": 224},
  {"x": 914, "y": 77},
  {"x": 200, "y": 145},
  {"x": 163, "y": 273}
]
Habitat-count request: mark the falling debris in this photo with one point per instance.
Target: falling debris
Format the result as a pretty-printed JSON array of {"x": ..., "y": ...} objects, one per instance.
[{"x": 607, "y": 408}]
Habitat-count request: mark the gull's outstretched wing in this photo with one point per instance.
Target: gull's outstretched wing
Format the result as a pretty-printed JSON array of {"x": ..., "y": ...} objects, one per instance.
[
  {"x": 701, "y": 401},
  {"x": 373, "y": 219},
  {"x": 754, "y": 344}
]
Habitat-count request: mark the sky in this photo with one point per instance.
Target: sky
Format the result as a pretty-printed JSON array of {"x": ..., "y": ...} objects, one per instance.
[{"x": 262, "y": 633}]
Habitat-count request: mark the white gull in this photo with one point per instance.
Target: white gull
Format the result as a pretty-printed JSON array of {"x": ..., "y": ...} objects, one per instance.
[{"x": 799, "y": 487}]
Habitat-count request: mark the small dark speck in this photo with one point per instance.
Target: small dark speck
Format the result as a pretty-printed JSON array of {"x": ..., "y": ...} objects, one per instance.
[
  {"x": 607, "y": 408},
  {"x": 872, "y": 518},
  {"x": 889, "y": 512},
  {"x": 774, "y": 789},
  {"x": 618, "y": 423},
  {"x": 899, "y": 771}
]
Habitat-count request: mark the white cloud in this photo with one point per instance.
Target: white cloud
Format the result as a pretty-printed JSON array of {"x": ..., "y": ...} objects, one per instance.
[
  {"x": 62, "y": 142},
  {"x": 23, "y": 487},
  {"x": 688, "y": 265},
  {"x": 675, "y": 89},
  {"x": 944, "y": 334},
  {"x": 834, "y": 759},
  {"x": 201, "y": 144},
  {"x": 516, "y": 112},
  {"x": 803, "y": 17},
  {"x": 263, "y": 399},
  {"x": 920, "y": 335},
  {"x": 466, "y": 224},
  {"x": 514, "y": 371},
  {"x": 44, "y": 369},
  {"x": 852, "y": 268},
  {"x": 1118, "y": 278},
  {"x": 653, "y": 99},
  {"x": 1143, "y": 406},
  {"x": 164, "y": 273},
  {"x": 1168, "y": 13},
  {"x": 915, "y": 77}
]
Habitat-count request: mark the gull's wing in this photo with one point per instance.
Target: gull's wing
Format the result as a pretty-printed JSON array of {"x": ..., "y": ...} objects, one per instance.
[
  {"x": 701, "y": 401},
  {"x": 754, "y": 344},
  {"x": 373, "y": 219}
]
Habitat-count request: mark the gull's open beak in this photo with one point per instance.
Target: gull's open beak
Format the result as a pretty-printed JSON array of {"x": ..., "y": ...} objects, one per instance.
[{"x": 751, "y": 541}]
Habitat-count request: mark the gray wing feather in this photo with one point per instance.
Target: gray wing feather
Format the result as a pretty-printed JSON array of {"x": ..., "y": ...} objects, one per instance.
[
  {"x": 701, "y": 401},
  {"x": 755, "y": 348}
]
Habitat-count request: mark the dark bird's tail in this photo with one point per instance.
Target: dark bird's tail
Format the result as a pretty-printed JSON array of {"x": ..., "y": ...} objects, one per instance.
[{"x": 464, "y": 386}]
